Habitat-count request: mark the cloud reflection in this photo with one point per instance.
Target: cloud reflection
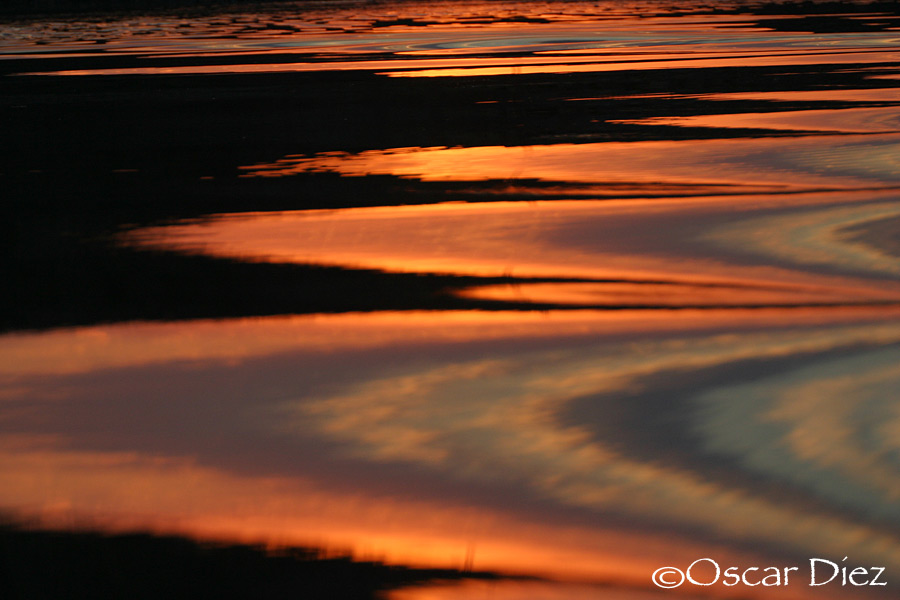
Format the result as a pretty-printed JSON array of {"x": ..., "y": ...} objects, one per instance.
[
  {"x": 500, "y": 421},
  {"x": 486, "y": 404},
  {"x": 755, "y": 165},
  {"x": 702, "y": 252}
]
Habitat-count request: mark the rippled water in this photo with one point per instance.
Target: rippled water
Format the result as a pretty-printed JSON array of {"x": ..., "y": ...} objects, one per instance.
[{"x": 675, "y": 229}]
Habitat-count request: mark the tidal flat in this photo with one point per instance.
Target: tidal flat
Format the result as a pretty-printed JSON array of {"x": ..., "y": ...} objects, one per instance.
[{"x": 562, "y": 290}]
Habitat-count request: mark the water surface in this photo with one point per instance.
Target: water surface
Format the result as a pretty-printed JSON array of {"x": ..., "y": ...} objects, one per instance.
[{"x": 676, "y": 229}]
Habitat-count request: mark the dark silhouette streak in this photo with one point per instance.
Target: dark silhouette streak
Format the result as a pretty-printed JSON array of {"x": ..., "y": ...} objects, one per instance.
[{"x": 39, "y": 564}]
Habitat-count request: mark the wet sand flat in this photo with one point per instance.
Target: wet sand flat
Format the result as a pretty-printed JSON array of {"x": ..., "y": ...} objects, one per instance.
[{"x": 564, "y": 289}]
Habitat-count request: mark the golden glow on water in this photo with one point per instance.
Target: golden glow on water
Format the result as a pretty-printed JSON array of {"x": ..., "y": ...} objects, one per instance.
[
  {"x": 518, "y": 590},
  {"x": 743, "y": 165},
  {"x": 662, "y": 62},
  {"x": 520, "y": 65},
  {"x": 880, "y": 95},
  {"x": 561, "y": 239},
  {"x": 122, "y": 491},
  {"x": 479, "y": 415},
  {"x": 234, "y": 341},
  {"x": 673, "y": 294},
  {"x": 855, "y": 120},
  {"x": 718, "y": 376}
]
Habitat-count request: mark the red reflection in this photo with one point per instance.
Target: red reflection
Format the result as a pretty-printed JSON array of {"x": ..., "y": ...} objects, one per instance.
[
  {"x": 541, "y": 363},
  {"x": 124, "y": 491},
  {"x": 234, "y": 341},
  {"x": 763, "y": 165},
  {"x": 642, "y": 251}
]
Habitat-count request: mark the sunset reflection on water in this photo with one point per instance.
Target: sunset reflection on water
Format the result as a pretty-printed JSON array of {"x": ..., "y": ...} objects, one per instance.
[
  {"x": 770, "y": 164},
  {"x": 502, "y": 427},
  {"x": 676, "y": 319},
  {"x": 684, "y": 252}
]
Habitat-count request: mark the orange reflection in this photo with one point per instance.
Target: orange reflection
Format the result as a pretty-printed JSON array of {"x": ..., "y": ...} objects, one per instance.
[
  {"x": 519, "y": 590},
  {"x": 848, "y": 120},
  {"x": 827, "y": 95},
  {"x": 463, "y": 66},
  {"x": 651, "y": 294},
  {"x": 234, "y": 341},
  {"x": 358, "y": 65},
  {"x": 170, "y": 495},
  {"x": 866, "y": 95},
  {"x": 661, "y": 62},
  {"x": 606, "y": 241},
  {"x": 741, "y": 165},
  {"x": 499, "y": 399},
  {"x": 121, "y": 491},
  {"x": 505, "y": 430}
]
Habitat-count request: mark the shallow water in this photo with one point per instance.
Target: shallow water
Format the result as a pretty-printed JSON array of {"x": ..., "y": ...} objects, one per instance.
[{"x": 685, "y": 221}]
